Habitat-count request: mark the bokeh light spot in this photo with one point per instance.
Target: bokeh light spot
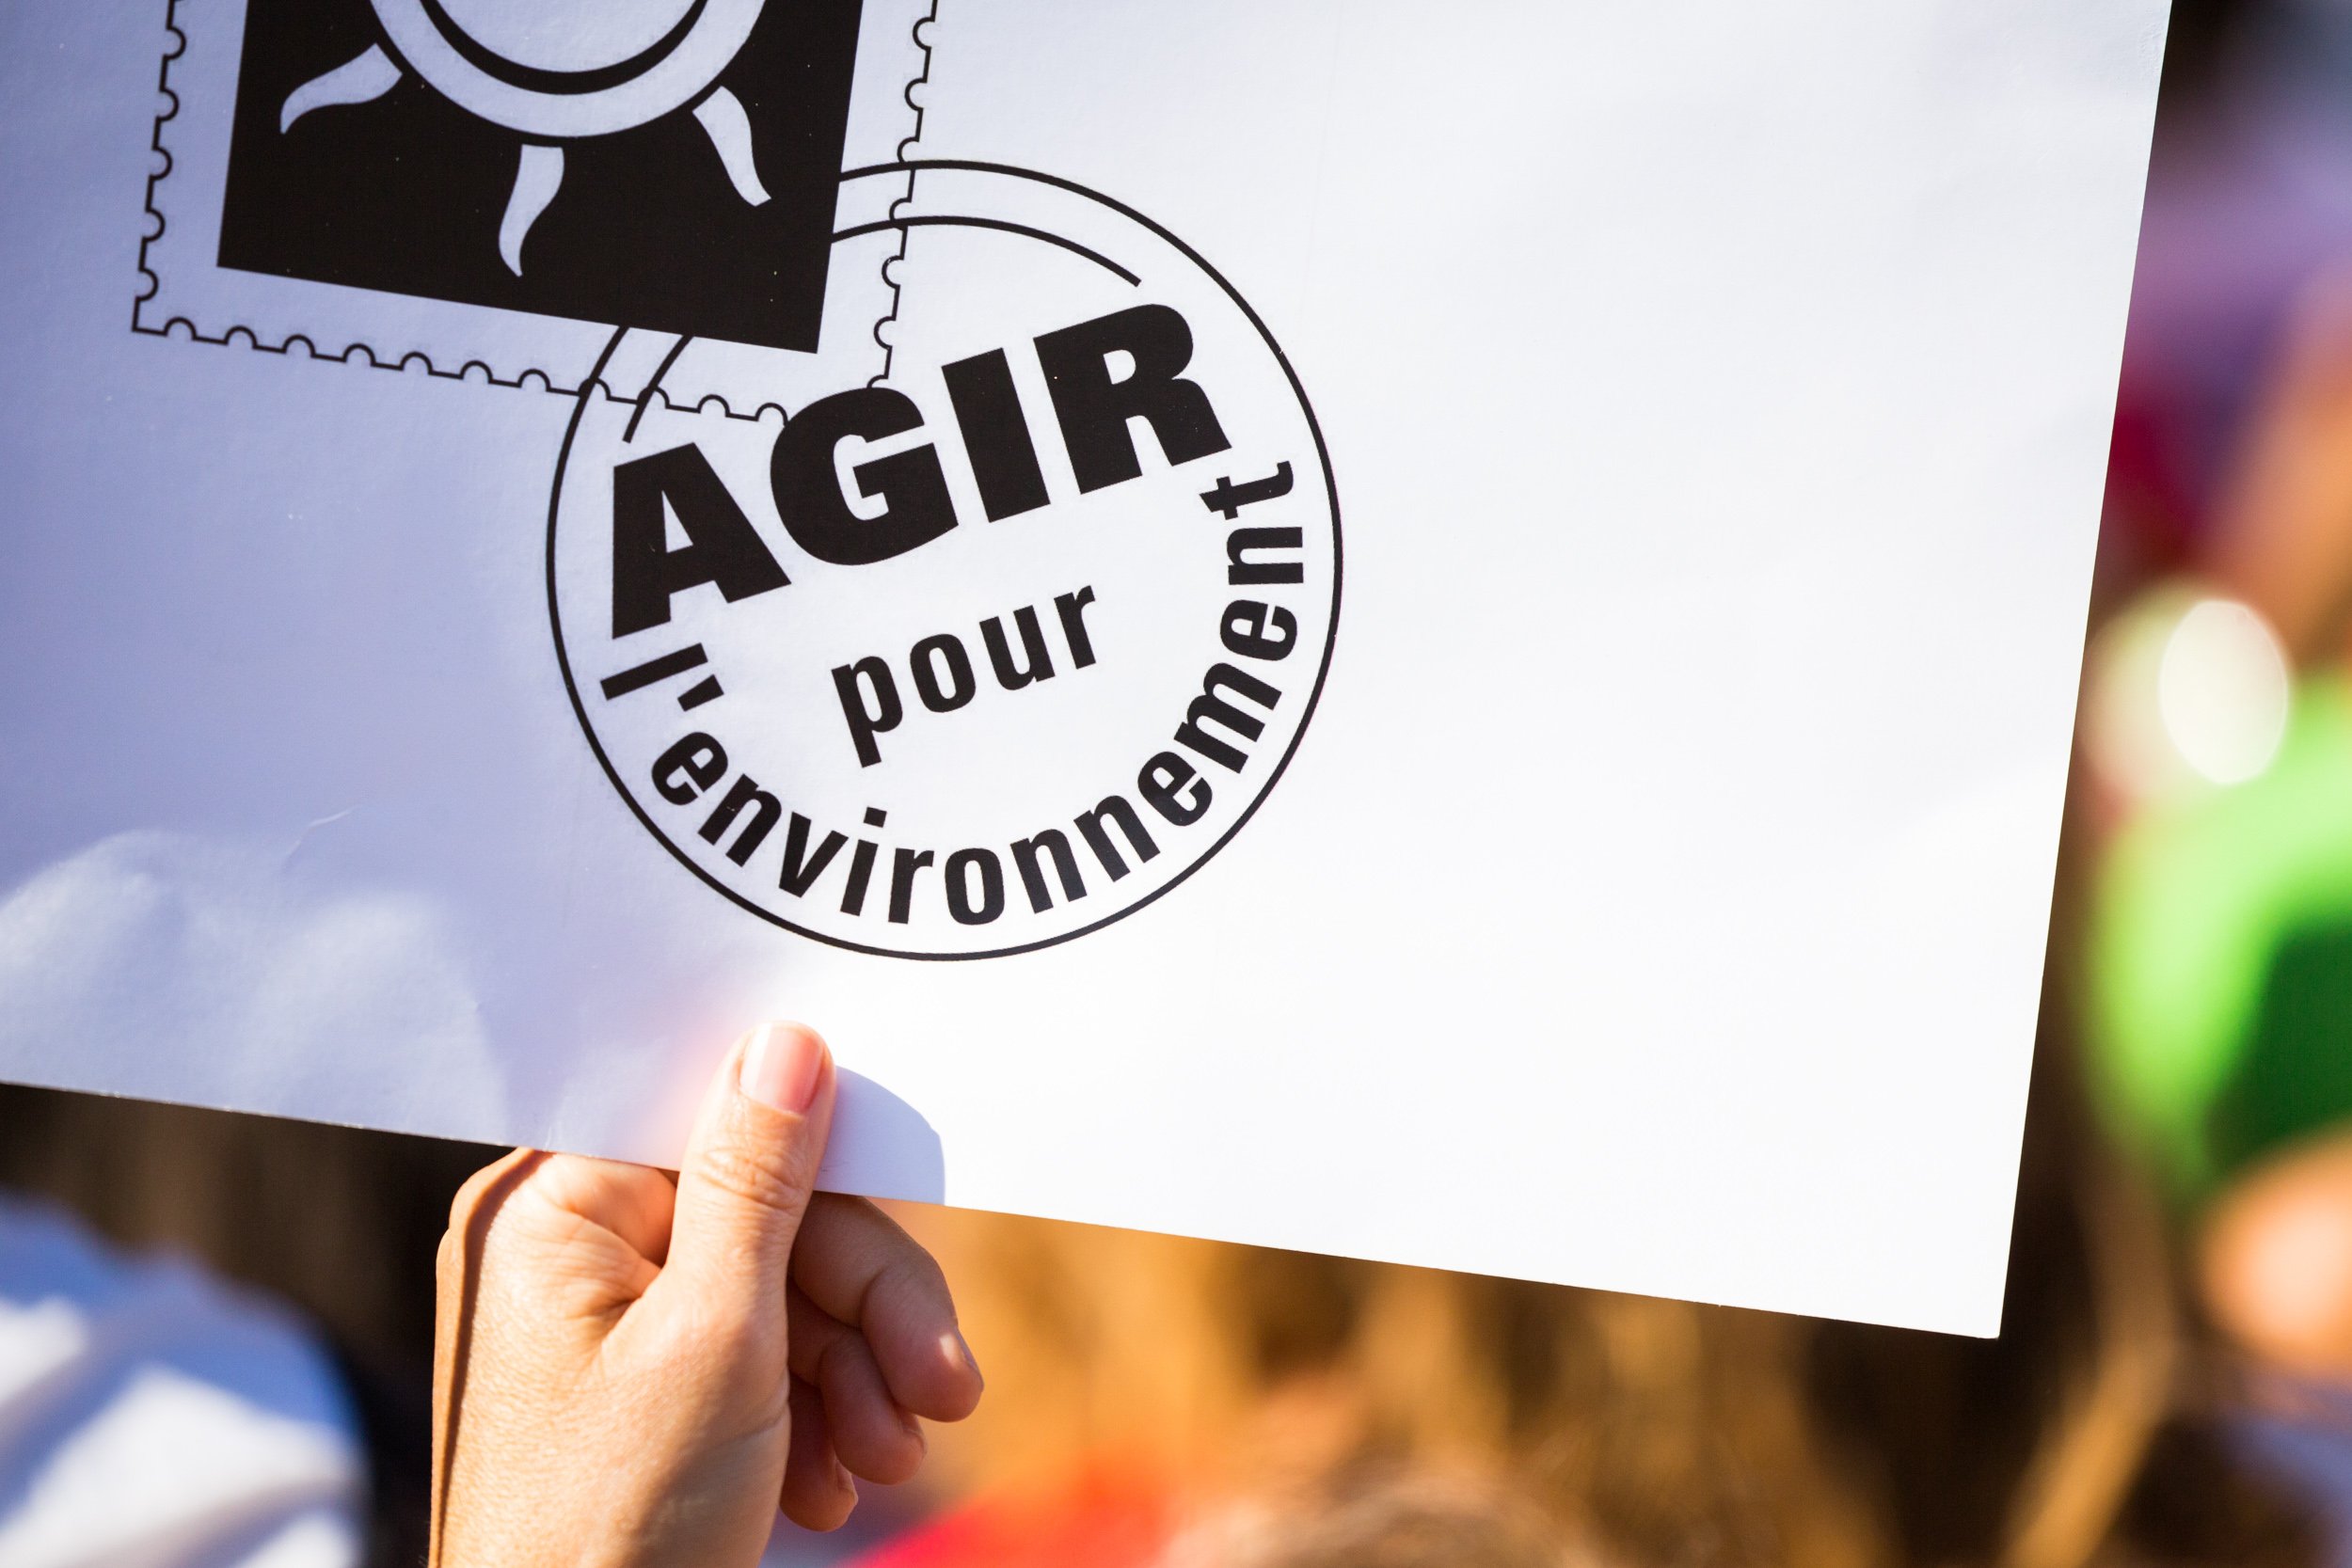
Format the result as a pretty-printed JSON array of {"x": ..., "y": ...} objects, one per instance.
[{"x": 2222, "y": 690}]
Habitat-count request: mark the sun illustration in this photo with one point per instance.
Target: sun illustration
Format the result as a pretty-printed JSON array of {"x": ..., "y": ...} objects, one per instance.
[{"x": 554, "y": 71}]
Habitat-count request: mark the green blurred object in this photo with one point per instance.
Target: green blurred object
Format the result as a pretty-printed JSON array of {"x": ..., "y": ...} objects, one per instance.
[{"x": 2221, "y": 960}]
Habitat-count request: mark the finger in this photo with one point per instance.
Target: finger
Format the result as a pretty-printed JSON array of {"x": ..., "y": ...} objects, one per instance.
[
  {"x": 573, "y": 1239},
  {"x": 457, "y": 1285},
  {"x": 470, "y": 1214},
  {"x": 856, "y": 1264},
  {"x": 818, "y": 1492},
  {"x": 634, "y": 1202},
  {"x": 871, "y": 1435},
  {"x": 745, "y": 1182},
  {"x": 458, "y": 1266}
]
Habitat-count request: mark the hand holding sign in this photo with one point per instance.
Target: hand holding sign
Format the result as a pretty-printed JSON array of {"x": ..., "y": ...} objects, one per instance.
[{"x": 623, "y": 1361}]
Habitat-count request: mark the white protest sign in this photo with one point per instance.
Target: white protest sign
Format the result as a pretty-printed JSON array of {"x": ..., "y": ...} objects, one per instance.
[{"x": 1442, "y": 633}]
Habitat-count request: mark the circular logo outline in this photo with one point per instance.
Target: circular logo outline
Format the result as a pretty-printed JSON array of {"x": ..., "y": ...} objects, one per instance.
[{"x": 1314, "y": 694}]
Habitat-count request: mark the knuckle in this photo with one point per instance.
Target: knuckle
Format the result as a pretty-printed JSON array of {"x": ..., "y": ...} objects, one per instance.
[
  {"x": 479, "y": 1203},
  {"x": 478, "y": 1188},
  {"x": 908, "y": 1297},
  {"x": 469, "y": 1198},
  {"x": 758, "y": 1174},
  {"x": 915, "y": 1278},
  {"x": 830, "y": 1367}
]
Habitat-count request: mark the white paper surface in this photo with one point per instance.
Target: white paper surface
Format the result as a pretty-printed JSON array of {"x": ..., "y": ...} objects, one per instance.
[{"x": 1716, "y": 402}]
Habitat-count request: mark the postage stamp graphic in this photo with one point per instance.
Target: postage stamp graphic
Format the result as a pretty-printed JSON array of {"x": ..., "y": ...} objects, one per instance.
[{"x": 493, "y": 187}]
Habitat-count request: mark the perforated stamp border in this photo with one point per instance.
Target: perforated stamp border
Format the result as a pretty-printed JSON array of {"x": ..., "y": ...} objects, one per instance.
[{"x": 154, "y": 313}]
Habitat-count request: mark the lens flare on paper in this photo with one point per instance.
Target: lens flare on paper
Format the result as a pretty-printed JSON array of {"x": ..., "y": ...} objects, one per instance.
[{"x": 557, "y": 70}]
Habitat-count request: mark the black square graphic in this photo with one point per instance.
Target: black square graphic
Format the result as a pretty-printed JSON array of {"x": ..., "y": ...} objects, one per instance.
[{"x": 405, "y": 192}]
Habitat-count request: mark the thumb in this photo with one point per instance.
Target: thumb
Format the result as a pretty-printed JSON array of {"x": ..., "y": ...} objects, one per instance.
[{"x": 749, "y": 1169}]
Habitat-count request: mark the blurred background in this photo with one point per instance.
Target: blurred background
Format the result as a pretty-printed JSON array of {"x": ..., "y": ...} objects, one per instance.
[{"x": 215, "y": 1331}]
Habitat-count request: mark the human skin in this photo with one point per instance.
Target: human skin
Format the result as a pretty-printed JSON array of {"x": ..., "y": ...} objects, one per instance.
[{"x": 632, "y": 1368}]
